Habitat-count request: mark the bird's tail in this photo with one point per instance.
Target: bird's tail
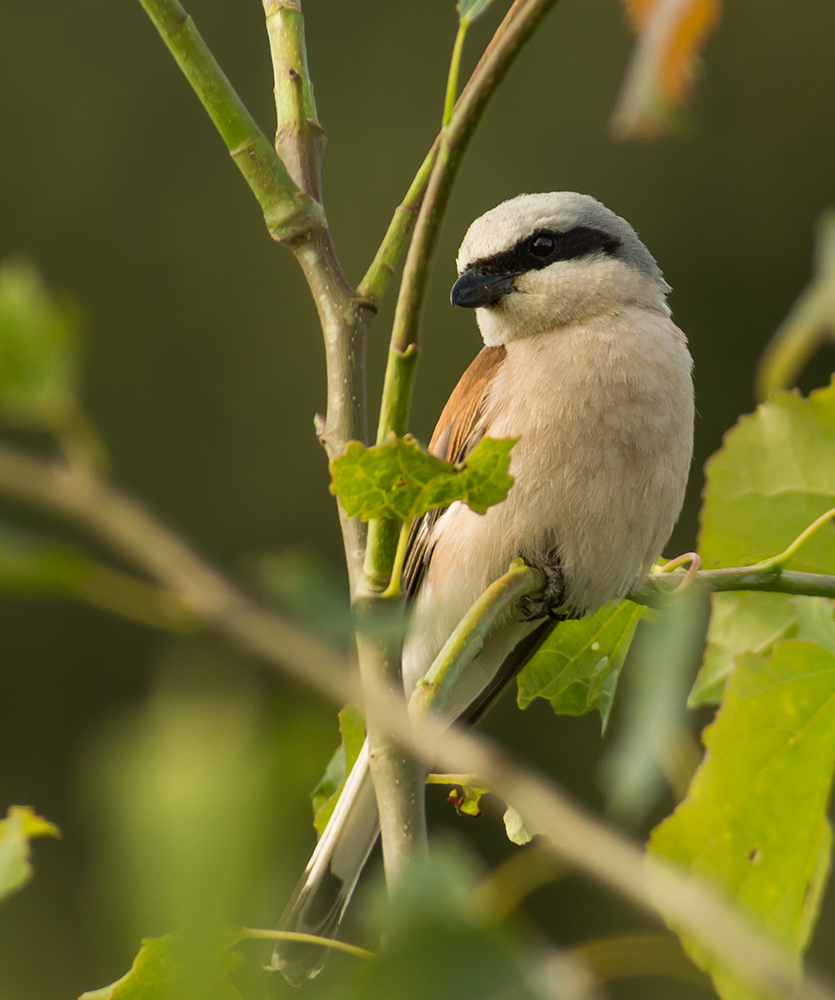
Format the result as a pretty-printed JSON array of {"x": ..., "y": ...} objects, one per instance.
[{"x": 325, "y": 888}]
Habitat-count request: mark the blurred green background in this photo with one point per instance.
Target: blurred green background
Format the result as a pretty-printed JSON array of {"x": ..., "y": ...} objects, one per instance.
[{"x": 205, "y": 369}]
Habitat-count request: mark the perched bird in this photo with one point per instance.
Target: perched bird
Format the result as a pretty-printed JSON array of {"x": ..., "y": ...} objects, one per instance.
[{"x": 583, "y": 364}]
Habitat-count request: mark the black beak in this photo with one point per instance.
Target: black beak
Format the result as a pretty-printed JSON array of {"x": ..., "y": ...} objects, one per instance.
[{"x": 475, "y": 288}]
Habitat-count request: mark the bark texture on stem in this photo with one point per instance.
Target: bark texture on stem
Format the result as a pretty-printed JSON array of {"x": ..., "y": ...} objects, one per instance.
[{"x": 399, "y": 778}]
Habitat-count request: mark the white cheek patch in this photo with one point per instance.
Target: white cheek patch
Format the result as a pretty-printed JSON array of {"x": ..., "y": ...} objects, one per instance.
[{"x": 493, "y": 326}]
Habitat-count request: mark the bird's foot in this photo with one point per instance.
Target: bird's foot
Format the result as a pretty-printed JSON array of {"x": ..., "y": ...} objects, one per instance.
[{"x": 548, "y": 603}]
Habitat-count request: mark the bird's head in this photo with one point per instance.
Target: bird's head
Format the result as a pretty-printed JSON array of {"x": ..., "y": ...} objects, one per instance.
[{"x": 542, "y": 261}]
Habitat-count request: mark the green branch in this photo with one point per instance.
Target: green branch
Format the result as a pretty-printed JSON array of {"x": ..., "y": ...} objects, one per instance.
[
  {"x": 767, "y": 575},
  {"x": 299, "y": 139},
  {"x": 520, "y": 23},
  {"x": 288, "y": 211},
  {"x": 259, "y": 934},
  {"x": 378, "y": 276},
  {"x": 467, "y": 641},
  {"x": 454, "y": 69},
  {"x": 506, "y": 43},
  {"x": 758, "y": 578}
]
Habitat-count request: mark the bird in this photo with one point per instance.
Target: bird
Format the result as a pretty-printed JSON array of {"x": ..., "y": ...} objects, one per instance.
[{"x": 583, "y": 365}]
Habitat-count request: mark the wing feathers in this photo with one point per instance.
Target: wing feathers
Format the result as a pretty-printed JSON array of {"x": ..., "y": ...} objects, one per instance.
[
  {"x": 458, "y": 425},
  {"x": 458, "y": 431}
]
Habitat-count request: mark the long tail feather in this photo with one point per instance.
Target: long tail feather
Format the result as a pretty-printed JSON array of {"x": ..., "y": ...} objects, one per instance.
[{"x": 325, "y": 888}]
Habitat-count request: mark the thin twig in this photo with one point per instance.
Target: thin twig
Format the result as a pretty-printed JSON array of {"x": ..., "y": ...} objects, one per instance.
[
  {"x": 262, "y": 934},
  {"x": 454, "y": 68},
  {"x": 381, "y": 271},
  {"x": 767, "y": 580}
]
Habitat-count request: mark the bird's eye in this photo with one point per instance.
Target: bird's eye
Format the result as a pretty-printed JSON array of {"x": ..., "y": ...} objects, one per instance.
[{"x": 542, "y": 245}]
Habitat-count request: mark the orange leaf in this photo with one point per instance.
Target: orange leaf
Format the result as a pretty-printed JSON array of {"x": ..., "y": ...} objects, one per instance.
[{"x": 660, "y": 75}]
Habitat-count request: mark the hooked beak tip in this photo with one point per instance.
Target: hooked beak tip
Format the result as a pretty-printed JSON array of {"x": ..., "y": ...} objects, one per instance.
[{"x": 475, "y": 289}]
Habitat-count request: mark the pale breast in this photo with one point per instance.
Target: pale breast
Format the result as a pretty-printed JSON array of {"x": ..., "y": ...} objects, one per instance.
[{"x": 604, "y": 416}]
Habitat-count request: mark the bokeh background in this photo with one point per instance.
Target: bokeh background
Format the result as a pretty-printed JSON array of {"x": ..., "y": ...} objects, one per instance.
[{"x": 205, "y": 368}]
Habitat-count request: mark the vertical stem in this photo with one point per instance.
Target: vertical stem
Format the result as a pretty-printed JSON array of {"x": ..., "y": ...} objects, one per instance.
[
  {"x": 399, "y": 777},
  {"x": 454, "y": 68},
  {"x": 344, "y": 315},
  {"x": 299, "y": 140},
  {"x": 401, "y": 803}
]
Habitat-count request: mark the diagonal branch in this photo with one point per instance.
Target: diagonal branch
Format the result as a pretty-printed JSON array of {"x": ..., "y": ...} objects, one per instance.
[
  {"x": 130, "y": 530},
  {"x": 522, "y": 20},
  {"x": 496, "y": 59},
  {"x": 580, "y": 839},
  {"x": 287, "y": 186},
  {"x": 398, "y": 781},
  {"x": 288, "y": 211}
]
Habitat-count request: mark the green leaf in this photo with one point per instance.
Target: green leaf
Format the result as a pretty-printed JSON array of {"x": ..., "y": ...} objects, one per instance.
[
  {"x": 577, "y": 668},
  {"x": 469, "y": 10},
  {"x": 519, "y": 830},
  {"x": 20, "y": 826},
  {"x": 150, "y": 975},
  {"x": 748, "y": 621},
  {"x": 38, "y": 350},
  {"x": 156, "y": 973},
  {"x": 772, "y": 478},
  {"x": 754, "y": 822},
  {"x": 326, "y": 794},
  {"x": 652, "y": 725},
  {"x": 401, "y": 480},
  {"x": 464, "y": 794},
  {"x": 815, "y": 620}
]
